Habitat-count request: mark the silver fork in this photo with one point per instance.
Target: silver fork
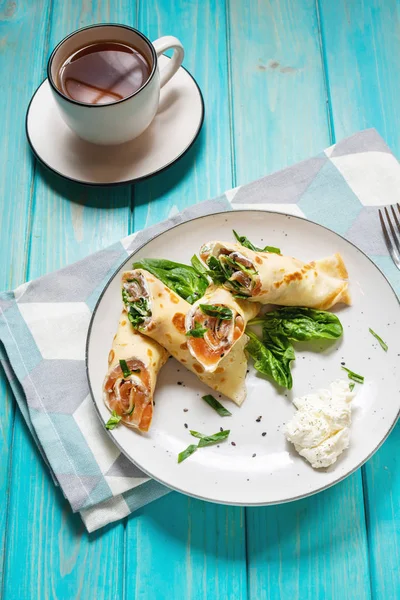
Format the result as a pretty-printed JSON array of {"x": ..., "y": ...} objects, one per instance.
[{"x": 392, "y": 243}]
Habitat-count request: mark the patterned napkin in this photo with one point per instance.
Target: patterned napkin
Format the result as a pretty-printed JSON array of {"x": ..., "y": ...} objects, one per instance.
[{"x": 43, "y": 323}]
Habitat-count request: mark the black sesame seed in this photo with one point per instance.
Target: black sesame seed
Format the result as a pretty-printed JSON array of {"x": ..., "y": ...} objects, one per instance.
[
  {"x": 179, "y": 383},
  {"x": 221, "y": 428},
  {"x": 264, "y": 433},
  {"x": 258, "y": 420},
  {"x": 185, "y": 425},
  {"x": 233, "y": 443},
  {"x": 254, "y": 455},
  {"x": 185, "y": 409},
  {"x": 342, "y": 363}
]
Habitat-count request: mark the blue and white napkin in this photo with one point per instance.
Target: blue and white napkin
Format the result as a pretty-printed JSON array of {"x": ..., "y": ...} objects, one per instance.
[{"x": 43, "y": 323}]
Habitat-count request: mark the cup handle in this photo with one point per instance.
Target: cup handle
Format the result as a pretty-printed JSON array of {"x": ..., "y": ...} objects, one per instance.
[{"x": 161, "y": 45}]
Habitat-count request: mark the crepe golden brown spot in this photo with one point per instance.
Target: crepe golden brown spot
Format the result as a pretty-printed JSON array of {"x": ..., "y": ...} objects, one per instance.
[
  {"x": 258, "y": 260},
  {"x": 174, "y": 298},
  {"x": 198, "y": 368},
  {"x": 183, "y": 346},
  {"x": 111, "y": 356},
  {"x": 123, "y": 323},
  {"x": 169, "y": 338},
  {"x": 178, "y": 321},
  {"x": 149, "y": 352},
  {"x": 220, "y": 370},
  {"x": 296, "y": 276}
]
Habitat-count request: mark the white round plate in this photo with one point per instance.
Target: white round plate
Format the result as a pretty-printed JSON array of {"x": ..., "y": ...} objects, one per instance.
[
  {"x": 174, "y": 129},
  {"x": 260, "y": 469}
]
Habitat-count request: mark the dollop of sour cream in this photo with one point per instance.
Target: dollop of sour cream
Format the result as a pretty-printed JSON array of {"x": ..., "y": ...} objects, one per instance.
[{"x": 320, "y": 429}]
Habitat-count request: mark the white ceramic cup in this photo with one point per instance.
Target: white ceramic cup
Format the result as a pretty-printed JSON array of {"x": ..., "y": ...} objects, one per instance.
[{"x": 126, "y": 119}]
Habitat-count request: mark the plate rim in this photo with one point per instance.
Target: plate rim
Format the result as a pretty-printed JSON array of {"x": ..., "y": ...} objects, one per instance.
[
  {"x": 198, "y": 496},
  {"x": 114, "y": 183}
]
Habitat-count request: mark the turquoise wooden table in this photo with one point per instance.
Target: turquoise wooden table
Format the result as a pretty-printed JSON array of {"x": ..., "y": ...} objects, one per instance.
[{"x": 281, "y": 81}]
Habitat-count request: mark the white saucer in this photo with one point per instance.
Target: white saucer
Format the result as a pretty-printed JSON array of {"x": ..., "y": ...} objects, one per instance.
[{"x": 174, "y": 129}]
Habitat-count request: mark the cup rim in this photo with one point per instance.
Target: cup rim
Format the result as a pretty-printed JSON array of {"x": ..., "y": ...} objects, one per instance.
[{"x": 87, "y": 104}]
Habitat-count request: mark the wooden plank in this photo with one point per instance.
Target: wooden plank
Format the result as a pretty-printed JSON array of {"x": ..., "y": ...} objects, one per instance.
[
  {"x": 49, "y": 554},
  {"x": 278, "y": 106},
  {"x": 22, "y": 45},
  {"x": 316, "y": 546},
  {"x": 362, "y": 48},
  {"x": 178, "y": 548},
  {"x": 206, "y": 170}
]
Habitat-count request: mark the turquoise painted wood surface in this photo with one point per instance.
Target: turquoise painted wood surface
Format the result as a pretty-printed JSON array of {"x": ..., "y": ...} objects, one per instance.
[
  {"x": 281, "y": 80},
  {"x": 363, "y": 45}
]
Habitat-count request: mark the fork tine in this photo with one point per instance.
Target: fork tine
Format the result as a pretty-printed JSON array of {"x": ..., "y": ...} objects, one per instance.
[
  {"x": 396, "y": 219},
  {"x": 390, "y": 247},
  {"x": 395, "y": 239}
]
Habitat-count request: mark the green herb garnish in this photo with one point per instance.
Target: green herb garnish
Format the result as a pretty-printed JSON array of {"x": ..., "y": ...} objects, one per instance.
[
  {"x": 272, "y": 357},
  {"x": 138, "y": 310},
  {"x": 209, "y": 440},
  {"x": 113, "y": 420},
  {"x": 186, "y": 453},
  {"x": 220, "y": 312},
  {"x": 380, "y": 340},
  {"x": 197, "y": 332},
  {"x": 215, "y": 271},
  {"x": 125, "y": 369},
  {"x": 213, "y": 402},
  {"x": 300, "y": 324},
  {"x": 244, "y": 241},
  {"x": 182, "y": 279},
  {"x": 351, "y": 386},
  {"x": 354, "y": 376}
]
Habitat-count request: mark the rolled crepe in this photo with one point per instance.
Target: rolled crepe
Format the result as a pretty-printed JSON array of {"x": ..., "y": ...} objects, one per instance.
[
  {"x": 271, "y": 278},
  {"x": 131, "y": 396},
  {"x": 214, "y": 324},
  {"x": 160, "y": 314}
]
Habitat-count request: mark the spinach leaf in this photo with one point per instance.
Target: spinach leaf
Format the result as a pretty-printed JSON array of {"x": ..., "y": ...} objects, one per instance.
[
  {"x": 184, "y": 280},
  {"x": 198, "y": 265},
  {"x": 244, "y": 241},
  {"x": 197, "y": 332},
  {"x": 272, "y": 357},
  {"x": 220, "y": 312},
  {"x": 216, "y": 272},
  {"x": 217, "y": 406},
  {"x": 113, "y": 420},
  {"x": 301, "y": 324}
]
